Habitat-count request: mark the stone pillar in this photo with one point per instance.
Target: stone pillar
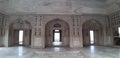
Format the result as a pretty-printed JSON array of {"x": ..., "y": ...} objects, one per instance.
[
  {"x": 76, "y": 33},
  {"x": 37, "y": 41},
  {"x": 81, "y": 37},
  {"x": 76, "y": 40},
  {"x": 6, "y": 37},
  {"x": 1, "y": 40},
  {"x": 38, "y": 33}
]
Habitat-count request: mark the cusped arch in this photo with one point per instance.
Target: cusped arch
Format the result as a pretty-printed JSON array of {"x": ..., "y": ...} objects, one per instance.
[
  {"x": 92, "y": 24},
  {"x": 20, "y": 24},
  {"x": 56, "y": 20}
]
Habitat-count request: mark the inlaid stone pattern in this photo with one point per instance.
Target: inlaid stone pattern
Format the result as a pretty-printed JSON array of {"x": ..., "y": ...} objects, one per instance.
[
  {"x": 115, "y": 18},
  {"x": 112, "y": 6},
  {"x": 37, "y": 25},
  {"x": 76, "y": 24}
]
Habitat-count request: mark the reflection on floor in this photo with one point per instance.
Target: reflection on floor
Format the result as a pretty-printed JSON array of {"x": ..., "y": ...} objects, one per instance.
[
  {"x": 57, "y": 52},
  {"x": 57, "y": 43}
]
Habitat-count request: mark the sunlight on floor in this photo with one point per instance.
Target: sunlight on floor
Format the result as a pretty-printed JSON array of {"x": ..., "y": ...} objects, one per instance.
[
  {"x": 57, "y": 43},
  {"x": 20, "y": 51},
  {"x": 60, "y": 52}
]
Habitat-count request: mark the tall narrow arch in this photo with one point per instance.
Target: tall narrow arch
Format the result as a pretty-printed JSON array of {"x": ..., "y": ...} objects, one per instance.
[
  {"x": 96, "y": 28},
  {"x": 62, "y": 26}
]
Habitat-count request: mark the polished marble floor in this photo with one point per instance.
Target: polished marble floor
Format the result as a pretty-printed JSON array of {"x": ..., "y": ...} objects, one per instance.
[{"x": 60, "y": 52}]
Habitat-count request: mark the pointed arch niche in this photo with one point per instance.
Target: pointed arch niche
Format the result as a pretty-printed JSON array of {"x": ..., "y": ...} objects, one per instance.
[
  {"x": 14, "y": 33},
  {"x": 94, "y": 27},
  {"x": 57, "y": 25}
]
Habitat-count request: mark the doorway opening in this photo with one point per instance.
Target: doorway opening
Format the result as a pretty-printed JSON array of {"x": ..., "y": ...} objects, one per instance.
[
  {"x": 117, "y": 37},
  {"x": 91, "y": 37},
  {"x": 119, "y": 31},
  {"x": 20, "y": 37},
  {"x": 57, "y": 38}
]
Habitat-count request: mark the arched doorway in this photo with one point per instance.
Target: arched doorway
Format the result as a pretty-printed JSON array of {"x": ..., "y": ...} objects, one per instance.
[
  {"x": 57, "y": 33},
  {"x": 92, "y": 33},
  {"x": 20, "y": 33},
  {"x": 116, "y": 35}
]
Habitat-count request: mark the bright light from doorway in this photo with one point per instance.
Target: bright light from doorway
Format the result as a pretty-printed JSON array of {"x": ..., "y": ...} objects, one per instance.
[
  {"x": 21, "y": 37},
  {"x": 119, "y": 31},
  {"x": 91, "y": 36},
  {"x": 57, "y": 37},
  {"x": 57, "y": 41}
]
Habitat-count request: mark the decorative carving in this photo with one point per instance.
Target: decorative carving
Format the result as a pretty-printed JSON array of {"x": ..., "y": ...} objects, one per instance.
[
  {"x": 2, "y": 25},
  {"x": 77, "y": 20},
  {"x": 35, "y": 31},
  {"x": 115, "y": 18},
  {"x": 20, "y": 22},
  {"x": 74, "y": 31},
  {"x": 73, "y": 22},
  {"x": 78, "y": 31},
  {"x": 40, "y": 21},
  {"x": 57, "y": 25},
  {"x": 39, "y": 31}
]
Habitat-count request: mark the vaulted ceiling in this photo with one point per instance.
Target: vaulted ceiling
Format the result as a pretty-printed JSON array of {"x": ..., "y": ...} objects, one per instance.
[{"x": 55, "y": 6}]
